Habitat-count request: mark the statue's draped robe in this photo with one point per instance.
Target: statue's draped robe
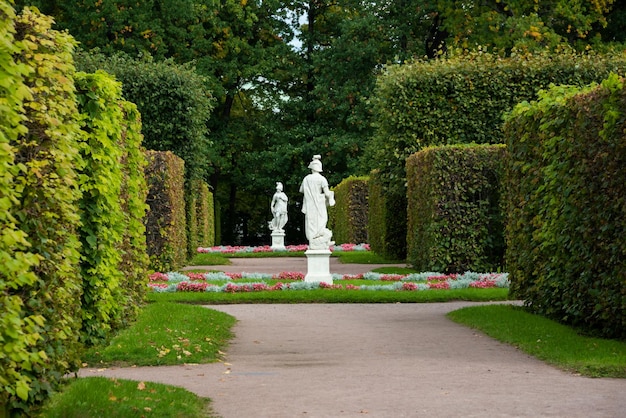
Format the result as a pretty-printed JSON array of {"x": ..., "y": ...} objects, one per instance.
[{"x": 314, "y": 205}]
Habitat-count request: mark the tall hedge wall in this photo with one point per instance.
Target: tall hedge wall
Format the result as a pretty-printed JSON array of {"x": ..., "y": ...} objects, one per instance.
[
  {"x": 454, "y": 217},
  {"x": 348, "y": 218},
  {"x": 386, "y": 224},
  {"x": 133, "y": 194},
  {"x": 200, "y": 217},
  {"x": 48, "y": 213},
  {"x": 462, "y": 99},
  {"x": 19, "y": 330},
  {"x": 205, "y": 215},
  {"x": 103, "y": 221},
  {"x": 566, "y": 205},
  {"x": 166, "y": 229}
]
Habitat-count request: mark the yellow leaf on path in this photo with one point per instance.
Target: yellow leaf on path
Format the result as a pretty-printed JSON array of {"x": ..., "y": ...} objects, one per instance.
[{"x": 141, "y": 386}]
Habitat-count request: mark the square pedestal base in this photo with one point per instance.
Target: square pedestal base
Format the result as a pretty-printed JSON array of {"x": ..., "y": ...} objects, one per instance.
[
  {"x": 318, "y": 266},
  {"x": 278, "y": 240}
]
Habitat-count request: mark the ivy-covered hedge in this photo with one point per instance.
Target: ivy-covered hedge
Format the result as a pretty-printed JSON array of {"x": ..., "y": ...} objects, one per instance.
[
  {"x": 104, "y": 224},
  {"x": 48, "y": 154},
  {"x": 166, "y": 229},
  {"x": 454, "y": 212},
  {"x": 133, "y": 194},
  {"x": 205, "y": 215},
  {"x": 566, "y": 200},
  {"x": 200, "y": 217},
  {"x": 462, "y": 99},
  {"x": 386, "y": 223},
  {"x": 348, "y": 218},
  {"x": 19, "y": 330}
]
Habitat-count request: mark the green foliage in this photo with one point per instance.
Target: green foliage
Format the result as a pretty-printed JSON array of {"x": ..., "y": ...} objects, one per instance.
[
  {"x": 48, "y": 156},
  {"x": 19, "y": 333},
  {"x": 386, "y": 224},
  {"x": 173, "y": 101},
  {"x": 527, "y": 24},
  {"x": 454, "y": 215},
  {"x": 205, "y": 216},
  {"x": 566, "y": 167},
  {"x": 348, "y": 218},
  {"x": 166, "y": 231},
  {"x": 133, "y": 194},
  {"x": 462, "y": 100},
  {"x": 103, "y": 222}
]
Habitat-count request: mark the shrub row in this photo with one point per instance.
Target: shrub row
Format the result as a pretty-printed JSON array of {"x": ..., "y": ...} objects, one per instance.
[
  {"x": 454, "y": 217},
  {"x": 460, "y": 99},
  {"x": 566, "y": 182},
  {"x": 386, "y": 224},
  {"x": 348, "y": 218},
  {"x": 73, "y": 251}
]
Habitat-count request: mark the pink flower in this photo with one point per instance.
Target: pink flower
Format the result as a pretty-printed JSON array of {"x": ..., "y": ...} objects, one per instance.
[
  {"x": 158, "y": 277},
  {"x": 289, "y": 275},
  {"x": 391, "y": 277},
  {"x": 439, "y": 285},
  {"x": 409, "y": 286}
]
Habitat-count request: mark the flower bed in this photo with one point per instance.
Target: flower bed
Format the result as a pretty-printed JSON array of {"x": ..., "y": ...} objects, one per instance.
[
  {"x": 228, "y": 249},
  {"x": 254, "y": 282}
]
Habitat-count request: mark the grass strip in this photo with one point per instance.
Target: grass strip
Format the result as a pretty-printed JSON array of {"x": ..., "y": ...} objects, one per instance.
[
  {"x": 96, "y": 397},
  {"x": 547, "y": 340},
  {"x": 167, "y": 334},
  {"x": 333, "y": 296}
]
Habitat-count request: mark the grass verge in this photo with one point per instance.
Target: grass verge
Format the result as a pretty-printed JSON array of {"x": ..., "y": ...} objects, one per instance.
[
  {"x": 547, "y": 340},
  {"x": 346, "y": 257},
  {"x": 333, "y": 296},
  {"x": 166, "y": 334},
  {"x": 95, "y": 397}
]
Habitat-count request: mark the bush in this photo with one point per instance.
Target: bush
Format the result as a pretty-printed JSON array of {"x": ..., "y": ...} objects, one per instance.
[
  {"x": 173, "y": 101},
  {"x": 348, "y": 218},
  {"x": 566, "y": 182},
  {"x": 166, "y": 230},
  {"x": 454, "y": 217},
  {"x": 461, "y": 100},
  {"x": 386, "y": 224}
]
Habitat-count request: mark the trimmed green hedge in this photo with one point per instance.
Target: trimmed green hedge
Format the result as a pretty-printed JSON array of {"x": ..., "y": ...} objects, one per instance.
[
  {"x": 462, "y": 99},
  {"x": 454, "y": 217},
  {"x": 566, "y": 182},
  {"x": 166, "y": 229},
  {"x": 205, "y": 216},
  {"x": 386, "y": 223},
  {"x": 48, "y": 154},
  {"x": 200, "y": 217},
  {"x": 19, "y": 330},
  {"x": 348, "y": 218}
]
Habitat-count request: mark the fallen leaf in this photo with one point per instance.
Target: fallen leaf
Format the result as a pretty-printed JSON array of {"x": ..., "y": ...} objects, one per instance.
[{"x": 141, "y": 386}]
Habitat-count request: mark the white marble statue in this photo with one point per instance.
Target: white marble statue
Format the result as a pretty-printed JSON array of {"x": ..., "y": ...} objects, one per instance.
[
  {"x": 317, "y": 196},
  {"x": 279, "y": 209}
]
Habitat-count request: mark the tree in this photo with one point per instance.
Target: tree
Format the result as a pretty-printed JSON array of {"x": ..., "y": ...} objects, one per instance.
[{"x": 526, "y": 24}]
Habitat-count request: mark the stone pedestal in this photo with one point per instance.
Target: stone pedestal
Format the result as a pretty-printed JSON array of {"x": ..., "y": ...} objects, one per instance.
[
  {"x": 278, "y": 240},
  {"x": 318, "y": 266}
]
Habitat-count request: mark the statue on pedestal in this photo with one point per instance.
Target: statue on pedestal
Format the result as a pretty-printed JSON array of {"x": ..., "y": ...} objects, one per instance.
[
  {"x": 317, "y": 196},
  {"x": 278, "y": 208}
]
